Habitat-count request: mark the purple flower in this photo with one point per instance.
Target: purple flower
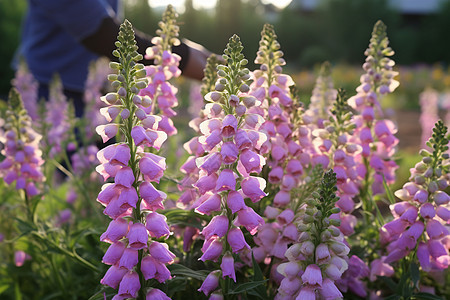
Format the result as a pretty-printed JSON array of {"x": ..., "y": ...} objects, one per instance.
[
  {"x": 130, "y": 285},
  {"x": 227, "y": 266},
  {"x": 210, "y": 283},
  {"x": 236, "y": 240},
  {"x": 137, "y": 236}
]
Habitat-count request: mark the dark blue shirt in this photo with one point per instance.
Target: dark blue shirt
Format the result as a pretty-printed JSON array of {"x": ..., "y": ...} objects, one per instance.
[{"x": 52, "y": 32}]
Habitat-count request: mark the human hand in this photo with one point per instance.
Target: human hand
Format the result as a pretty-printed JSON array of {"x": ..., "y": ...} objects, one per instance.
[{"x": 196, "y": 60}]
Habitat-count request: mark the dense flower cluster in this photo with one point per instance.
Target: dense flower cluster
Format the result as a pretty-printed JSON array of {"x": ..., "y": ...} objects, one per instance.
[
  {"x": 421, "y": 217},
  {"x": 284, "y": 168},
  {"x": 232, "y": 138},
  {"x": 27, "y": 86},
  {"x": 374, "y": 134},
  {"x": 320, "y": 256},
  {"x": 57, "y": 118},
  {"x": 161, "y": 93},
  {"x": 193, "y": 146},
  {"x": 132, "y": 200},
  {"x": 334, "y": 141},
  {"x": 23, "y": 158},
  {"x": 323, "y": 96}
]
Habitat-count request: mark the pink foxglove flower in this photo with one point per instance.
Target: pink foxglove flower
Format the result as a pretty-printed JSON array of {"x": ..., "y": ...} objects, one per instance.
[
  {"x": 131, "y": 200},
  {"x": 223, "y": 176},
  {"x": 429, "y": 106},
  {"x": 23, "y": 158},
  {"x": 57, "y": 118},
  {"x": 421, "y": 218},
  {"x": 373, "y": 133},
  {"x": 160, "y": 96},
  {"x": 27, "y": 86}
]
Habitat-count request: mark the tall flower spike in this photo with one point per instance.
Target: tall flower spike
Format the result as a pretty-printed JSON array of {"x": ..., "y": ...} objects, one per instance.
[
  {"x": 319, "y": 257},
  {"x": 373, "y": 133},
  {"x": 23, "y": 158},
  {"x": 224, "y": 177},
  {"x": 57, "y": 118},
  {"x": 161, "y": 93},
  {"x": 424, "y": 209},
  {"x": 131, "y": 200},
  {"x": 322, "y": 96},
  {"x": 285, "y": 167},
  {"x": 333, "y": 141},
  {"x": 27, "y": 86},
  {"x": 193, "y": 146}
]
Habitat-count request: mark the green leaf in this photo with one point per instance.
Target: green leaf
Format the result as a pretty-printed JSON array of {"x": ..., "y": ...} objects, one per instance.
[
  {"x": 388, "y": 191},
  {"x": 425, "y": 296},
  {"x": 389, "y": 282},
  {"x": 245, "y": 287},
  {"x": 392, "y": 297},
  {"x": 258, "y": 276},
  {"x": 415, "y": 274},
  {"x": 181, "y": 270},
  {"x": 3, "y": 288}
]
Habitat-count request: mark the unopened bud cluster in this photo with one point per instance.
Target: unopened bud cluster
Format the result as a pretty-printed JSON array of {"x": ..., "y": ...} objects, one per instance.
[{"x": 319, "y": 257}]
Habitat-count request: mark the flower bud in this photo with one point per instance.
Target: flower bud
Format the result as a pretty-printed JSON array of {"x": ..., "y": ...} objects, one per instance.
[
  {"x": 125, "y": 114},
  {"x": 137, "y": 99}
]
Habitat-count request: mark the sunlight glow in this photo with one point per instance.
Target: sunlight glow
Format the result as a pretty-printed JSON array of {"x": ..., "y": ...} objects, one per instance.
[{"x": 208, "y": 4}]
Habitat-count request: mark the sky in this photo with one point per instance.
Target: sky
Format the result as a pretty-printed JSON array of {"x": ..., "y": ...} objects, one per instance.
[{"x": 205, "y": 4}]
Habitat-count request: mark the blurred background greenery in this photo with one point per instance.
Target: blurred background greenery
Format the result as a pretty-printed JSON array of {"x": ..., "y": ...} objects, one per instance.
[{"x": 310, "y": 31}]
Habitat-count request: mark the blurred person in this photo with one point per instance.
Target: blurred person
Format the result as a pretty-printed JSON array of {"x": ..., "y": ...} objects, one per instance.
[{"x": 64, "y": 36}]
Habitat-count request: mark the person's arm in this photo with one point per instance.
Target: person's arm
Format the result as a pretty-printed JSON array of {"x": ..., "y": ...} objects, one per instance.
[
  {"x": 193, "y": 56},
  {"x": 94, "y": 25}
]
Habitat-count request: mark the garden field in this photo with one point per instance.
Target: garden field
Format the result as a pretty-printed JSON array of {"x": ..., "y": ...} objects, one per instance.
[{"x": 260, "y": 182}]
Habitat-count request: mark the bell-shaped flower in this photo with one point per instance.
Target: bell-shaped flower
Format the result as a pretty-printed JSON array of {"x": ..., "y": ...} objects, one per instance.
[
  {"x": 236, "y": 240},
  {"x": 253, "y": 187},
  {"x": 113, "y": 276},
  {"x": 235, "y": 201},
  {"x": 242, "y": 140},
  {"x": 210, "y": 283},
  {"x": 114, "y": 253},
  {"x": 229, "y": 126},
  {"x": 161, "y": 252},
  {"x": 312, "y": 276},
  {"x": 129, "y": 259},
  {"x": 124, "y": 177},
  {"x": 252, "y": 161},
  {"x": 156, "y": 225},
  {"x": 217, "y": 226},
  {"x": 152, "y": 166},
  {"x": 213, "y": 252},
  {"x": 249, "y": 219},
  {"x": 107, "y": 131},
  {"x": 226, "y": 181},
  {"x": 156, "y": 294},
  {"x": 211, "y": 204},
  {"x": 130, "y": 285},
  {"x": 116, "y": 230},
  {"x": 137, "y": 236},
  {"x": 329, "y": 290},
  {"x": 151, "y": 197},
  {"x": 210, "y": 163},
  {"x": 227, "y": 266},
  {"x": 206, "y": 183},
  {"x": 229, "y": 152}
]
